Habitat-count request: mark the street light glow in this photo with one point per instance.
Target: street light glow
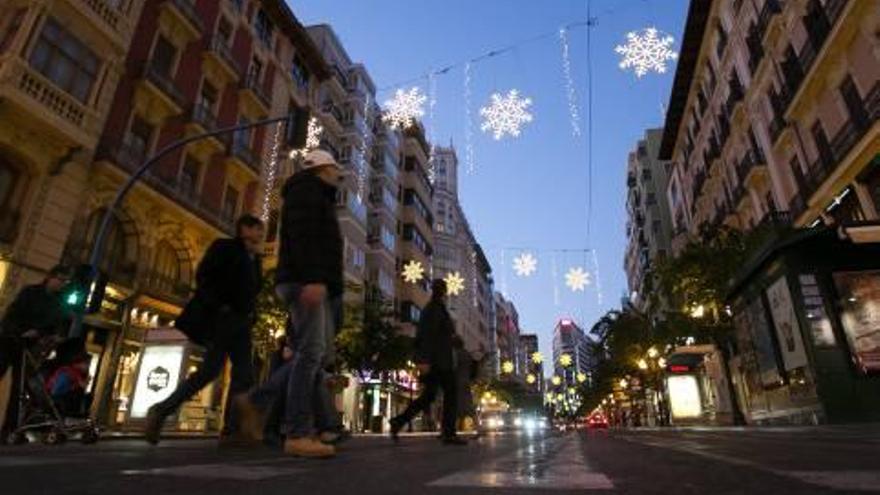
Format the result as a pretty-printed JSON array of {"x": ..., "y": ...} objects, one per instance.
[
  {"x": 643, "y": 365},
  {"x": 653, "y": 352},
  {"x": 623, "y": 383}
]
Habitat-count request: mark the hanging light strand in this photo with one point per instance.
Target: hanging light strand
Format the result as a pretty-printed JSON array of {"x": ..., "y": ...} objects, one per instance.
[
  {"x": 596, "y": 277},
  {"x": 574, "y": 115},
  {"x": 362, "y": 151},
  {"x": 271, "y": 173},
  {"x": 432, "y": 101},
  {"x": 468, "y": 121}
]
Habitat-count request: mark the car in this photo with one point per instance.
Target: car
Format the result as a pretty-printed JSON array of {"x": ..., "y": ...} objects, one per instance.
[{"x": 597, "y": 422}]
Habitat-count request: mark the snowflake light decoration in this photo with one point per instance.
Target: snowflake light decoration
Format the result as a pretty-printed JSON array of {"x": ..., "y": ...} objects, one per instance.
[
  {"x": 506, "y": 114},
  {"x": 530, "y": 379},
  {"x": 507, "y": 367},
  {"x": 565, "y": 360},
  {"x": 404, "y": 108},
  {"x": 525, "y": 264},
  {"x": 454, "y": 284},
  {"x": 581, "y": 377},
  {"x": 413, "y": 272},
  {"x": 556, "y": 380},
  {"x": 577, "y": 279},
  {"x": 313, "y": 138},
  {"x": 645, "y": 51},
  {"x": 537, "y": 358}
]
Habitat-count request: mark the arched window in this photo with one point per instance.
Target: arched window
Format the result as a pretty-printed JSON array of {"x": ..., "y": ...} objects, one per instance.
[
  {"x": 119, "y": 251},
  {"x": 166, "y": 266}
]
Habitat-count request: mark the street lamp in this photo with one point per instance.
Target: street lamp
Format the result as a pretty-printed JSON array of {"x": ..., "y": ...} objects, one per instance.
[
  {"x": 623, "y": 383},
  {"x": 643, "y": 365},
  {"x": 653, "y": 352}
]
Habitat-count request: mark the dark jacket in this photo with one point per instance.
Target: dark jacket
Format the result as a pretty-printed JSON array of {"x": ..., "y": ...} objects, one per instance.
[
  {"x": 434, "y": 337},
  {"x": 310, "y": 250},
  {"x": 34, "y": 308},
  {"x": 228, "y": 277}
]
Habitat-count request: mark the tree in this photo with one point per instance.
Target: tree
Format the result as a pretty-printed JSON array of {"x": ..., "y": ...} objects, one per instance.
[{"x": 271, "y": 318}]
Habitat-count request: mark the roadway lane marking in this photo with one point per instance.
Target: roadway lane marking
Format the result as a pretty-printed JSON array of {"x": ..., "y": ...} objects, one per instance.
[
  {"x": 17, "y": 461},
  {"x": 534, "y": 467},
  {"x": 226, "y": 471},
  {"x": 843, "y": 480}
]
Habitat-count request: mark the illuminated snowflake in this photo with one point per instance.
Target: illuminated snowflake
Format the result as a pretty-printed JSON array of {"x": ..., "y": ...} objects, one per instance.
[
  {"x": 565, "y": 360},
  {"x": 507, "y": 367},
  {"x": 577, "y": 279},
  {"x": 313, "y": 138},
  {"x": 404, "y": 108},
  {"x": 645, "y": 51},
  {"x": 525, "y": 264},
  {"x": 537, "y": 358},
  {"x": 413, "y": 272},
  {"x": 581, "y": 377},
  {"x": 530, "y": 379},
  {"x": 454, "y": 284},
  {"x": 506, "y": 114},
  {"x": 556, "y": 380}
]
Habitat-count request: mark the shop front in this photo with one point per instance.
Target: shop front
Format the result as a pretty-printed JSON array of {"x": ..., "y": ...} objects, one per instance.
[
  {"x": 807, "y": 314},
  {"x": 696, "y": 387}
]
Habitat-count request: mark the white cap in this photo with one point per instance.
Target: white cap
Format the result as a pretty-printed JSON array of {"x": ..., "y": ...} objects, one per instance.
[{"x": 319, "y": 158}]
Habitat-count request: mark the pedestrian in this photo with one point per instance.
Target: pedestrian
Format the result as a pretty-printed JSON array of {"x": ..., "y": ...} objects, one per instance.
[
  {"x": 280, "y": 358},
  {"x": 35, "y": 317},
  {"x": 310, "y": 282},
  {"x": 464, "y": 375},
  {"x": 435, "y": 360},
  {"x": 219, "y": 317}
]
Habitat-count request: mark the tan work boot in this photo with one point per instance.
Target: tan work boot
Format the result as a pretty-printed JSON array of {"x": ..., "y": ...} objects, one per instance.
[
  {"x": 250, "y": 418},
  {"x": 308, "y": 447}
]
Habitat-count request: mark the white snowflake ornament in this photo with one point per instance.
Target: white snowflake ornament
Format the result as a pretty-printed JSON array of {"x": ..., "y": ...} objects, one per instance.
[
  {"x": 506, "y": 114},
  {"x": 413, "y": 272},
  {"x": 454, "y": 284},
  {"x": 525, "y": 264},
  {"x": 577, "y": 279},
  {"x": 645, "y": 51},
  {"x": 404, "y": 108}
]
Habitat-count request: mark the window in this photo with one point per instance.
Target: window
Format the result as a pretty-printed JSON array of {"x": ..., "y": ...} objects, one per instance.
[
  {"x": 255, "y": 72},
  {"x": 139, "y": 138},
  {"x": 208, "y": 96},
  {"x": 299, "y": 72},
  {"x": 65, "y": 60},
  {"x": 166, "y": 266},
  {"x": 189, "y": 177},
  {"x": 242, "y": 137},
  {"x": 651, "y": 199},
  {"x": 823, "y": 147},
  {"x": 230, "y": 204},
  {"x": 164, "y": 54},
  {"x": 12, "y": 28},
  {"x": 854, "y": 104},
  {"x": 656, "y": 225},
  {"x": 263, "y": 26}
]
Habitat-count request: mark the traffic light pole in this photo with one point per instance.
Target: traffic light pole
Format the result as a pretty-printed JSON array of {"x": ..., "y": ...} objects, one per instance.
[{"x": 97, "y": 247}]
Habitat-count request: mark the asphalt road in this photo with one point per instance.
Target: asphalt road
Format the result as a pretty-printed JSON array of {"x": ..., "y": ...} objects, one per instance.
[{"x": 797, "y": 461}]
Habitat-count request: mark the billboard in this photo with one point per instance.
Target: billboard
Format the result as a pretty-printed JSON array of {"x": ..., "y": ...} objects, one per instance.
[
  {"x": 157, "y": 377},
  {"x": 788, "y": 330}
]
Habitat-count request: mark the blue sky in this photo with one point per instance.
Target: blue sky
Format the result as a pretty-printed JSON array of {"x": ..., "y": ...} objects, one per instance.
[{"x": 531, "y": 191}]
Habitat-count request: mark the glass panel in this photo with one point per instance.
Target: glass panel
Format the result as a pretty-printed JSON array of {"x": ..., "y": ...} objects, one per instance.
[{"x": 860, "y": 315}]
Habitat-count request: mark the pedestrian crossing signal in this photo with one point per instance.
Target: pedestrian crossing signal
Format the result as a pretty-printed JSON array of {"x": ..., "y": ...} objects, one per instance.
[{"x": 85, "y": 291}]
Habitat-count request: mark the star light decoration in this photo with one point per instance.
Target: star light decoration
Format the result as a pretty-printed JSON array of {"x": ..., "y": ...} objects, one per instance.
[
  {"x": 506, "y": 114},
  {"x": 404, "y": 108},
  {"x": 537, "y": 358},
  {"x": 413, "y": 272},
  {"x": 531, "y": 379},
  {"x": 556, "y": 380},
  {"x": 454, "y": 284},
  {"x": 577, "y": 279},
  {"x": 313, "y": 138},
  {"x": 645, "y": 51},
  {"x": 565, "y": 360},
  {"x": 581, "y": 377},
  {"x": 525, "y": 264},
  {"x": 507, "y": 367}
]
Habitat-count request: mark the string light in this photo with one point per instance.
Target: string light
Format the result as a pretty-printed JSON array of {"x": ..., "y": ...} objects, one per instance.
[
  {"x": 596, "y": 273},
  {"x": 432, "y": 101},
  {"x": 362, "y": 151},
  {"x": 271, "y": 172},
  {"x": 574, "y": 116},
  {"x": 468, "y": 121}
]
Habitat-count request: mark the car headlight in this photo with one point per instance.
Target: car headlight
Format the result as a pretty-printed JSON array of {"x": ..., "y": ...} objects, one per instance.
[
  {"x": 531, "y": 424},
  {"x": 518, "y": 422}
]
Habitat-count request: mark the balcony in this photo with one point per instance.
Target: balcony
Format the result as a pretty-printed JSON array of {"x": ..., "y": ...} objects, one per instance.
[
  {"x": 330, "y": 109},
  {"x": 182, "y": 13},
  {"x": 36, "y": 96},
  {"x": 243, "y": 154},
  {"x": 736, "y": 95},
  {"x": 105, "y": 17},
  {"x": 201, "y": 120},
  {"x": 163, "y": 88},
  {"x": 220, "y": 57},
  {"x": 254, "y": 95},
  {"x": 160, "y": 285},
  {"x": 9, "y": 221},
  {"x": 770, "y": 9}
]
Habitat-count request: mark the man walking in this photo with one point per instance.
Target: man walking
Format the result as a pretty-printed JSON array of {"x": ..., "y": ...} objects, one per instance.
[
  {"x": 219, "y": 317},
  {"x": 37, "y": 314},
  {"x": 434, "y": 357},
  {"x": 309, "y": 280}
]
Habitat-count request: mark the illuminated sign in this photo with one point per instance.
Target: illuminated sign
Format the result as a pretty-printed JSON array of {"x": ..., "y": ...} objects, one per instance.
[
  {"x": 679, "y": 368},
  {"x": 158, "y": 375},
  {"x": 684, "y": 396}
]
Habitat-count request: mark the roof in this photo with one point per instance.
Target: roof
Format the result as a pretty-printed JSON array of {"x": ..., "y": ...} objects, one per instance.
[
  {"x": 293, "y": 29},
  {"x": 698, "y": 16}
]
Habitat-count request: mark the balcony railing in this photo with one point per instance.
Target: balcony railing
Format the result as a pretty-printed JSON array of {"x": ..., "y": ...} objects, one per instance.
[
  {"x": 164, "y": 83},
  {"x": 244, "y": 153},
  {"x": 771, "y": 8},
  {"x": 220, "y": 47},
  {"x": 188, "y": 10},
  {"x": 108, "y": 14},
  {"x": 331, "y": 109}
]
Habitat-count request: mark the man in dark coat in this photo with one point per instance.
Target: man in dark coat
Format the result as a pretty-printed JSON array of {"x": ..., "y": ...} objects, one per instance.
[
  {"x": 435, "y": 359},
  {"x": 220, "y": 317},
  {"x": 309, "y": 280},
  {"x": 37, "y": 314}
]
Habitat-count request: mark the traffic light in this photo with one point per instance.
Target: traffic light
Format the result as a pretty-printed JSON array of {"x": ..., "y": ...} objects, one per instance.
[
  {"x": 297, "y": 128},
  {"x": 85, "y": 291}
]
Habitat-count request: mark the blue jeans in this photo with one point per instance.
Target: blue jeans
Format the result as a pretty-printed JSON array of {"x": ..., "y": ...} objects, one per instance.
[{"x": 310, "y": 404}]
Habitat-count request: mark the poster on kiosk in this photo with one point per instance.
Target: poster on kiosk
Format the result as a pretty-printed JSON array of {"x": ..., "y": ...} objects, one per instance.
[{"x": 157, "y": 377}]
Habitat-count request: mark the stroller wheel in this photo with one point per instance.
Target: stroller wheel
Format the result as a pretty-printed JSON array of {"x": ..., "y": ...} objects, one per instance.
[
  {"x": 89, "y": 436},
  {"x": 54, "y": 437},
  {"x": 17, "y": 438}
]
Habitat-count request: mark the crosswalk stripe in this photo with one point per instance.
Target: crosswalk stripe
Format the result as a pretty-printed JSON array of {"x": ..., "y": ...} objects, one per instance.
[
  {"x": 532, "y": 467},
  {"x": 224, "y": 471}
]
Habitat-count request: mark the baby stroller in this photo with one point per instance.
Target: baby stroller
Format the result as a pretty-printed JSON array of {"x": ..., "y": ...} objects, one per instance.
[{"x": 52, "y": 403}]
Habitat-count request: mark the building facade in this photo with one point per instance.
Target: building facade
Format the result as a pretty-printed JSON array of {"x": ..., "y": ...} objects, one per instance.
[
  {"x": 649, "y": 226},
  {"x": 570, "y": 340},
  {"x": 534, "y": 372},
  {"x": 191, "y": 68},
  {"x": 773, "y": 120}
]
